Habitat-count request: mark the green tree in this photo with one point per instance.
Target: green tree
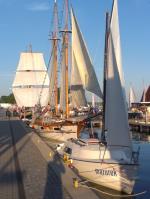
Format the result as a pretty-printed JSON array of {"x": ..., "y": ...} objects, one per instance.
[{"x": 8, "y": 99}]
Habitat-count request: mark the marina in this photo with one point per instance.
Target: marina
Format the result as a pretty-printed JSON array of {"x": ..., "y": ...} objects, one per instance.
[
  {"x": 67, "y": 128},
  {"x": 42, "y": 154},
  {"x": 140, "y": 126}
]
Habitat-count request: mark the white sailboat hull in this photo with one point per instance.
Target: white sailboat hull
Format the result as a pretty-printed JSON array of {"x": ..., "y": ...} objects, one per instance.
[
  {"x": 114, "y": 176},
  {"x": 109, "y": 166}
]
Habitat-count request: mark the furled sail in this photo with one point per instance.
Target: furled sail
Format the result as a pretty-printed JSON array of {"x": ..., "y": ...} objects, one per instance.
[
  {"x": 116, "y": 120},
  {"x": 78, "y": 98},
  {"x": 31, "y": 83},
  {"x": 85, "y": 67},
  {"x": 63, "y": 82},
  {"x": 131, "y": 96},
  {"x": 52, "y": 83}
]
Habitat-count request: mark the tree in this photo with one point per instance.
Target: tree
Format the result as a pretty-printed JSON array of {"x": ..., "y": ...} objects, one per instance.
[{"x": 8, "y": 99}]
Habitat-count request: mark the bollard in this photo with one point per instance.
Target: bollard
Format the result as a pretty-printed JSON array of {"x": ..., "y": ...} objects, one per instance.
[
  {"x": 75, "y": 183},
  {"x": 50, "y": 154},
  {"x": 65, "y": 158},
  {"x": 70, "y": 163}
]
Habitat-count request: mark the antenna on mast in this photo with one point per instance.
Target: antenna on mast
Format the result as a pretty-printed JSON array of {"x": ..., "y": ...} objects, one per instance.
[{"x": 30, "y": 48}]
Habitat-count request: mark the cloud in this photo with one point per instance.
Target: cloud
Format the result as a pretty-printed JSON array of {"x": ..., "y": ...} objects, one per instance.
[{"x": 43, "y": 6}]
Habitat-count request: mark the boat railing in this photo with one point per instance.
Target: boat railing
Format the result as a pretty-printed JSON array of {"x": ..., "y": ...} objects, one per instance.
[{"x": 83, "y": 142}]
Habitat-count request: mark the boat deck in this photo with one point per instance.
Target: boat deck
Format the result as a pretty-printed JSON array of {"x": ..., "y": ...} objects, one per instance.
[{"x": 139, "y": 126}]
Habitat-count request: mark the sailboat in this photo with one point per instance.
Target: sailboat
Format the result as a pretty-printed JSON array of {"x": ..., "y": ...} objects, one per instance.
[
  {"x": 132, "y": 97},
  {"x": 109, "y": 161},
  {"x": 82, "y": 77},
  {"x": 31, "y": 82}
]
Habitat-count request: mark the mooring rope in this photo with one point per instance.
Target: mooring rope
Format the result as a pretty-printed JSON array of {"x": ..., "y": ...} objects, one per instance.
[{"x": 114, "y": 195}]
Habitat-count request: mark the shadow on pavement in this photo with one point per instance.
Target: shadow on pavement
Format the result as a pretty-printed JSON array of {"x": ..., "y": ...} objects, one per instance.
[{"x": 54, "y": 187}]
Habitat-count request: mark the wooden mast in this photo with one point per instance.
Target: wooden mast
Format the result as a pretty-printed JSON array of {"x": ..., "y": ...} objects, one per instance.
[
  {"x": 66, "y": 58},
  {"x": 55, "y": 57}
]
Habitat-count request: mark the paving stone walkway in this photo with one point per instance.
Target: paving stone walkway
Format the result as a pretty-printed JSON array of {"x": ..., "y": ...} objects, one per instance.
[
  {"x": 39, "y": 181},
  {"x": 26, "y": 171}
]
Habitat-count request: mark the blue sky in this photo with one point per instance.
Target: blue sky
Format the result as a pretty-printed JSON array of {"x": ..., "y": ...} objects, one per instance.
[{"x": 28, "y": 21}]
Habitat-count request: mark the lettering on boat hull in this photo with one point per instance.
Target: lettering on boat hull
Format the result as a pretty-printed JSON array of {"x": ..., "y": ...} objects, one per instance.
[{"x": 106, "y": 172}]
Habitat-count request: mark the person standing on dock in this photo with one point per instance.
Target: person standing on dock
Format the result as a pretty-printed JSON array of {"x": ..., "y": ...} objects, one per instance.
[{"x": 8, "y": 113}]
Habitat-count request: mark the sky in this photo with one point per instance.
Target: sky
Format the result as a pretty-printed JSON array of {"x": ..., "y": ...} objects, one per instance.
[{"x": 24, "y": 22}]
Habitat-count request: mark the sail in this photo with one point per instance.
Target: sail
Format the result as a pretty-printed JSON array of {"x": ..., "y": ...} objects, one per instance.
[
  {"x": 131, "y": 96},
  {"x": 31, "y": 61},
  {"x": 52, "y": 83},
  {"x": 30, "y": 78},
  {"x": 93, "y": 100},
  {"x": 85, "y": 67},
  {"x": 29, "y": 96},
  {"x": 147, "y": 98},
  {"x": 143, "y": 98},
  {"x": 31, "y": 82},
  {"x": 78, "y": 98},
  {"x": 63, "y": 82},
  {"x": 116, "y": 120}
]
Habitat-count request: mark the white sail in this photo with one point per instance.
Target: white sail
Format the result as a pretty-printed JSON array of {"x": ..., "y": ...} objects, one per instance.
[
  {"x": 85, "y": 67},
  {"x": 132, "y": 97},
  {"x": 78, "y": 98},
  {"x": 31, "y": 61},
  {"x": 29, "y": 96},
  {"x": 116, "y": 109},
  {"x": 31, "y": 78},
  {"x": 31, "y": 82},
  {"x": 93, "y": 100}
]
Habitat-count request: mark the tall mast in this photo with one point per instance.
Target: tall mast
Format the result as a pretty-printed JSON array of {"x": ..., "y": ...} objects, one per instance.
[
  {"x": 55, "y": 58},
  {"x": 105, "y": 76},
  {"x": 66, "y": 42}
]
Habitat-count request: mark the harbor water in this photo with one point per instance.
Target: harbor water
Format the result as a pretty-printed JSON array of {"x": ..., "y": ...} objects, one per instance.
[{"x": 143, "y": 183}]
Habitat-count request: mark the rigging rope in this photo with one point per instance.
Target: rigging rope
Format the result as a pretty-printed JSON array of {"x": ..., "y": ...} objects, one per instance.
[{"x": 46, "y": 75}]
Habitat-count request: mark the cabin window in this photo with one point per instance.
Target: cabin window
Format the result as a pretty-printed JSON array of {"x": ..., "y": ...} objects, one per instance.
[{"x": 68, "y": 150}]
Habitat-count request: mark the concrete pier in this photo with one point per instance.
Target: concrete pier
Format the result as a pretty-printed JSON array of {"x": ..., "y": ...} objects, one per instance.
[{"x": 29, "y": 169}]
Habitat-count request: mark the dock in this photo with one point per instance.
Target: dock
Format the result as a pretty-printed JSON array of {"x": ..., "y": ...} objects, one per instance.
[
  {"x": 139, "y": 126},
  {"x": 29, "y": 168}
]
